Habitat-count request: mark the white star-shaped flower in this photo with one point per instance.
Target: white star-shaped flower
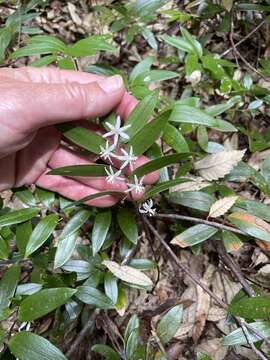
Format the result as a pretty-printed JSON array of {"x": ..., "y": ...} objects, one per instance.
[
  {"x": 128, "y": 158},
  {"x": 147, "y": 208},
  {"x": 137, "y": 186},
  {"x": 117, "y": 131},
  {"x": 106, "y": 152},
  {"x": 112, "y": 176}
]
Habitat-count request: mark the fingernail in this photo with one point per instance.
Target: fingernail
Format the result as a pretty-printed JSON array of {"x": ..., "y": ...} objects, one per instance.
[{"x": 112, "y": 83}]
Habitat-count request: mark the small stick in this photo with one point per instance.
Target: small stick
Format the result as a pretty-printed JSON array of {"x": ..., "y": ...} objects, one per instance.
[
  {"x": 183, "y": 268},
  {"x": 199, "y": 221}
]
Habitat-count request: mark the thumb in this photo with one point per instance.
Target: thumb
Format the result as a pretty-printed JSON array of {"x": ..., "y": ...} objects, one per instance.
[{"x": 47, "y": 104}]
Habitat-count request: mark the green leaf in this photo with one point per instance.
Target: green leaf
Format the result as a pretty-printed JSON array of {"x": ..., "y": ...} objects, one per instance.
[
  {"x": 66, "y": 63},
  {"x": 253, "y": 207},
  {"x": 202, "y": 137},
  {"x": 26, "y": 197},
  {"x": 28, "y": 289},
  {"x": 169, "y": 324},
  {"x": 100, "y": 230},
  {"x": 178, "y": 42},
  {"x": 257, "y": 307},
  {"x": 83, "y": 137},
  {"x": 105, "y": 351},
  {"x": 3, "y": 248},
  {"x": 144, "y": 8},
  {"x": 18, "y": 216},
  {"x": 231, "y": 241},
  {"x": 142, "y": 264},
  {"x": 75, "y": 223},
  {"x": 94, "y": 297},
  {"x": 202, "y": 356},
  {"x": 133, "y": 324},
  {"x": 175, "y": 139},
  {"x": 95, "y": 196},
  {"x": 163, "y": 186},
  {"x": 127, "y": 222},
  {"x": 132, "y": 344},
  {"x": 158, "y": 163},
  {"x": 110, "y": 286},
  {"x": 194, "y": 235},
  {"x": 23, "y": 234},
  {"x": 46, "y": 197},
  {"x": 96, "y": 170},
  {"x": 218, "y": 109},
  {"x": 65, "y": 249},
  {"x": 193, "y": 199},
  {"x": 40, "y": 44},
  {"x": 27, "y": 346},
  {"x": 150, "y": 38},
  {"x": 238, "y": 337},
  {"x": 41, "y": 233},
  {"x": 156, "y": 76},
  {"x": 89, "y": 46},
  {"x": 191, "y": 115},
  {"x": 44, "y": 61},
  {"x": 8, "y": 285},
  {"x": 142, "y": 67},
  {"x": 141, "y": 114},
  {"x": 43, "y": 302},
  {"x": 251, "y": 225},
  {"x": 82, "y": 268},
  {"x": 150, "y": 133},
  {"x": 195, "y": 45}
]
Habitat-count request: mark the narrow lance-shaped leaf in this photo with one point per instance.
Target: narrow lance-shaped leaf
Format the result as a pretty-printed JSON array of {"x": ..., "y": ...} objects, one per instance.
[
  {"x": 159, "y": 163},
  {"x": 83, "y": 137},
  {"x": 163, "y": 186},
  {"x": 169, "y": 324},
  {"x": 94, "y": 297},
  {"x": 146, "y": 137},
  {"x": 28, "y": 346},
  {"x": 194, "y": 235},
  {"x": 105, "y": 351},
  {"x": 65, "y": 249},
  {"x": 141, "y": 114},
  {"x": 231, "y": 241},
  {"x": 41, "y": 233},
  {"x": 251, "y": 225},
  {"x": 8, "y": 285},
  {"x": 175, "y": 139},
  {"x": 100, "y": 230},
  {"x": 252, "y": 308},
  {"x": 18, "y": 216},
  {"x": 75, "y": 223},
  {"x": 238, "y": 337},
  {"x": 127, "y": 222},
  {"x": 96, "y": 170},
  {"x": 193, "y": 199},
  {"x": 191, "y": 115},
  {"x": 43, "y": 302},
  {"x": 111, "y": 287}
]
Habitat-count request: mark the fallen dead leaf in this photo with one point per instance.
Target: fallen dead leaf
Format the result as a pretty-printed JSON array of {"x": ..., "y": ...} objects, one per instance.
[
  {"x": 216, "y": 166},
  {"x": 221, "y": 206},
  {"x": 213, "y": 348}
]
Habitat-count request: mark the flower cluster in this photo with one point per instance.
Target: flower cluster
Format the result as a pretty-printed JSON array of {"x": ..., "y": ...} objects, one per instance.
[{"x": 127, "y": 158}]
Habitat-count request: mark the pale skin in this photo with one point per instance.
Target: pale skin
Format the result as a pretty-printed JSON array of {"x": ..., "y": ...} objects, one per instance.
[{"x": 32, "y": 101}]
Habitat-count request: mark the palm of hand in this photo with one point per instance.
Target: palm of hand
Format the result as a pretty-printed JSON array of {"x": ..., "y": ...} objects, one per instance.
[{"x": 32, "y": 101}]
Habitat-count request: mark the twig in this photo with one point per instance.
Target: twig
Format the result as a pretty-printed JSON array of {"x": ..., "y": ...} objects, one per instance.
[
  {"x": 250, "y": 342},
  {"x": 257, "y": 333},
  {"x": 183, "y": 268},
  {"x": 82, "y": 334},
  {"x": 236, "y": 52},
  {"x": 244, "y": 39},
  {"x": 233, "y": 265},
  {"x": 199, "y": 221}
]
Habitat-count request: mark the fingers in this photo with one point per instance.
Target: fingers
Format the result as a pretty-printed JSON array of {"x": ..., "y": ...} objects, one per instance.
[
  {"x": 49, "y": 75},
  {"x": 74, "y": 190},
  {"x": 51, "y": 104}
]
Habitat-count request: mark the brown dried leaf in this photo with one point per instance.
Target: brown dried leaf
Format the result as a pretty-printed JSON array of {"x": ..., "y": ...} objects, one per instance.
[
  {"x": 221, "y": 206},
  {"x": 216, "y": 166}
]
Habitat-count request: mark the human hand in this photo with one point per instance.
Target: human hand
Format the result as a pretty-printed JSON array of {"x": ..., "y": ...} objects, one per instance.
[{"x": 32, "y": 102}]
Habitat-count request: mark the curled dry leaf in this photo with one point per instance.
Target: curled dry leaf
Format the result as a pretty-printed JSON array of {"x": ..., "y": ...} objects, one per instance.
[
  {"x": 128, "y": 274},
  {"x": 216, "y": 166},
  {"x": 195, "y": 184},
  {"x": 221, "y": 206}
]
